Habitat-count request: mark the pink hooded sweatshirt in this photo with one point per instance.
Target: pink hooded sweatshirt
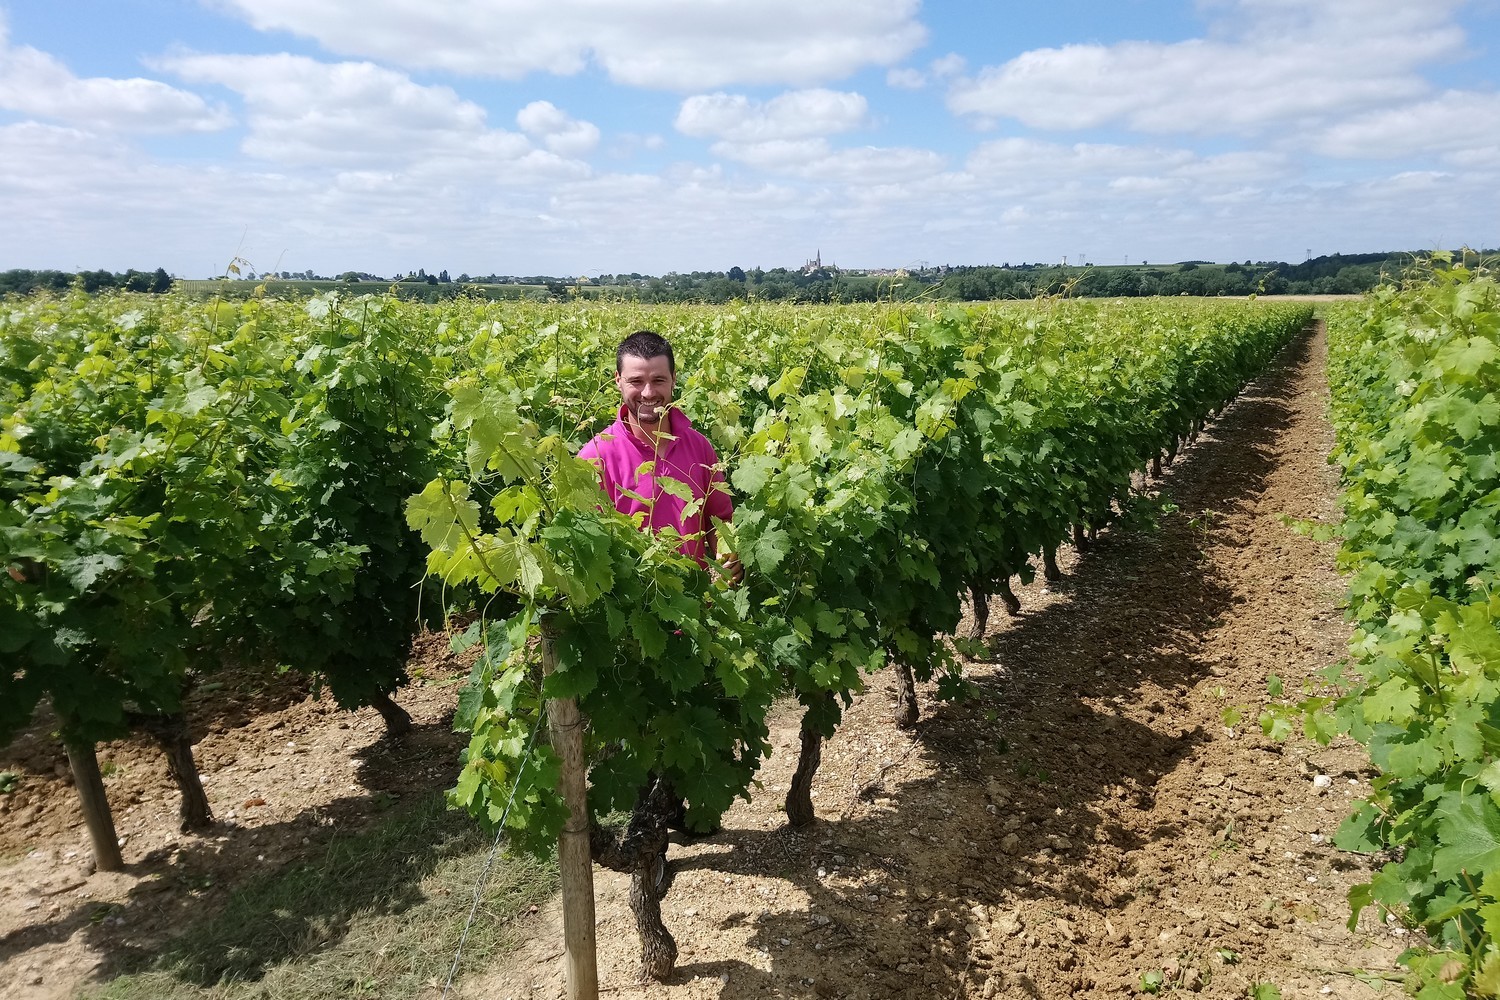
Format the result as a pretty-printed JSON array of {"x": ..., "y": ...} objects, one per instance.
[{"x": 687, "y": 457}]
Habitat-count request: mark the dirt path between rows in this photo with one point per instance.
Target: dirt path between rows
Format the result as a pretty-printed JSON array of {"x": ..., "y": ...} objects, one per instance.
[{"x": 1088, "y": 826}]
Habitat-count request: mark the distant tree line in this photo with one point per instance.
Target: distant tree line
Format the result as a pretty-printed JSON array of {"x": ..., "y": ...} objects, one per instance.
[
  {"x": 22, "y": 281},
  {"x": 1331, "y": 274},
  {"x": 1338, "y": 274}
]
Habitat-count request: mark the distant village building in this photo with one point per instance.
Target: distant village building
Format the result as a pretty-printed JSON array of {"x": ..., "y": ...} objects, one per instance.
[{"x": 816, "y": 264}]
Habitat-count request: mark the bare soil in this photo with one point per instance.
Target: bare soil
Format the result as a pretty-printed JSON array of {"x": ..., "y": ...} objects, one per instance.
[
  {"x": 285, "y": 773},
  {"x": 1086, "y": 820}
]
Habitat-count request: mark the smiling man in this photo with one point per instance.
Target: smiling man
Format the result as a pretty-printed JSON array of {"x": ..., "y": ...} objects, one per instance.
[{"x": 651, "y": 439}]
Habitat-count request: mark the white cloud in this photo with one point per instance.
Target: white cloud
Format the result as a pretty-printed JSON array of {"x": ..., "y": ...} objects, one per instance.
[
  {"x": 81, "y": 199},
  {"x": 106, "y": 204},
  {"x": 1253, "y": 166},
  {"x": 305, "y": 111},
  {"x": 665, "y": 44},
  {"x": 76, "y": 199},
  {"x": 797, "y": 114},
  {"x": 906, "y": 78},
  {"x": 775, "y": 155},
  {"x": 815, "y": 159},
  {"x": 873, "y": 165},
  {"x": 1266, "y": 62},
  {"x": 951, "y": 64},
  {"x": 560, "y": 132},
  {"x": 37, "y": 84},
  {"x": 941, "y": 68},
  {"x": 1144, "y": 185},
  {"x": 1040, "y": 161},
  {"x": 1457, "y": 123},
  {"x": 624, "y": 145},
  {"x": 1115, "y": 179},
  {"x": 366, "y": 180},
  {"x": 37, "y": 157},
  {"x": 1420, "y": 179},
  {"x": 1485, "y": 159},
  {"x": 357, "y": 115}
]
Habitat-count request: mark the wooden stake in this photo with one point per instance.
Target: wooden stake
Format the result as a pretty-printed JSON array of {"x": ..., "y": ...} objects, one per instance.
[
  {"x": 96, "y": 815},
  {"x": 574, "y": 861}
]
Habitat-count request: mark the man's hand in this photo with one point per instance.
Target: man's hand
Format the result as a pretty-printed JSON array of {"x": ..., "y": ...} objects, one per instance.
[{"x": 731, "y": 569}]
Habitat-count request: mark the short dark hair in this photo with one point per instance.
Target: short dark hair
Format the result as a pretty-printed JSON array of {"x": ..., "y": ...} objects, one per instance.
[{"x": 645, "y": 344}]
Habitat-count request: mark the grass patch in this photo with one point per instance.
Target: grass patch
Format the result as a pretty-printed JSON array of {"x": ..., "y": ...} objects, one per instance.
[{"x": 380, "y": 915}]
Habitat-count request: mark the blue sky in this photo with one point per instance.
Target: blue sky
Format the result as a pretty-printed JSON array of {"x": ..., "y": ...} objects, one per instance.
[{"x": 577, "y": 137}]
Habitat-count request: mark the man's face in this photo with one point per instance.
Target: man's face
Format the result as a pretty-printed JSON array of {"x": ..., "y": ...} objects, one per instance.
[{"x": 646, "y": 386}]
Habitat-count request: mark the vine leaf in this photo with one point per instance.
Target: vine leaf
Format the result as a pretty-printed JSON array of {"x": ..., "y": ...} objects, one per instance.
[{"x": 1470, "y": 835}]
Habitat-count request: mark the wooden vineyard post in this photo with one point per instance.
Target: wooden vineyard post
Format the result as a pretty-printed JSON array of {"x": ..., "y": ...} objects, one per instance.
[
  {"x": 96, "y": 815},
  {"x": 574, "y": 860}
]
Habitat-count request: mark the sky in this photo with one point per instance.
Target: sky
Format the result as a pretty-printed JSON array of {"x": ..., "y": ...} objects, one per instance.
[{"x": 585, "y": 137}]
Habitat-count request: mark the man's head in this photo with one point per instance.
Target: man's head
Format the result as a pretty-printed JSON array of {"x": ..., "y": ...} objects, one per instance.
[
  {"x": 646, "y": 374},
  {"x": 645, "y": 344}
]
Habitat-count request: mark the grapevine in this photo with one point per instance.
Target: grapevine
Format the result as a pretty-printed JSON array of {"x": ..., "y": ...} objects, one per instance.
[{"x": 1415, "y": 374}]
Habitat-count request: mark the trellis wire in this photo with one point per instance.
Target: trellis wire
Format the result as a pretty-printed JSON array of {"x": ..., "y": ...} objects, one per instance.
[{"x": 484, "y": 874}]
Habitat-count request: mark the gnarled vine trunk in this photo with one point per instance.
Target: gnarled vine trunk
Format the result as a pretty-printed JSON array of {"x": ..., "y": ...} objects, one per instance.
[
  {"x": 658, "y": 947},
  {"x": 640, "y": 850},
  {"x": 981, "y": 603},
  {"x": 905, "y": 715},
  {"x": 397, "y": 721},
  {"x": 171, "y": 732},
  {"x": 1008, "y": 597},
  {"x": 799, "y": 808},
  {"x": 1050, "y": 572}
]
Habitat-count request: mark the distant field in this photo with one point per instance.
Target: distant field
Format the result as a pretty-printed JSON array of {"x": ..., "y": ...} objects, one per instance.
[
  {"x": 1102, "y": 281},
  {"x": 406, "y": 289},
  {"x": 1319, "y": 298},
  {"x": 417, "y": 291}
]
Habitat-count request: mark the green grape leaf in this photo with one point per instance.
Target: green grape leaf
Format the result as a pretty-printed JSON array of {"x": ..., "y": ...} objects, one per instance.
[
  {"x": 675, "y": 487},
  {"x": 752, "y": 472},
  {"x": 1361, "y": 832},
  {"x": 1469, "y": 832},
  {"x": 770, "y": 549},
  {"x": 648, "y": 632}
]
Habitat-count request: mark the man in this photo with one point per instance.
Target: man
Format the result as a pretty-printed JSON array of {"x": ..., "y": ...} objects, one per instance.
[{"x": 649, "y": 439}]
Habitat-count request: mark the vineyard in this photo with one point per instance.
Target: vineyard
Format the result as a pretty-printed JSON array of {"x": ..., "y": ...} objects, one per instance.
[{"x": 197, "y": 489}]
